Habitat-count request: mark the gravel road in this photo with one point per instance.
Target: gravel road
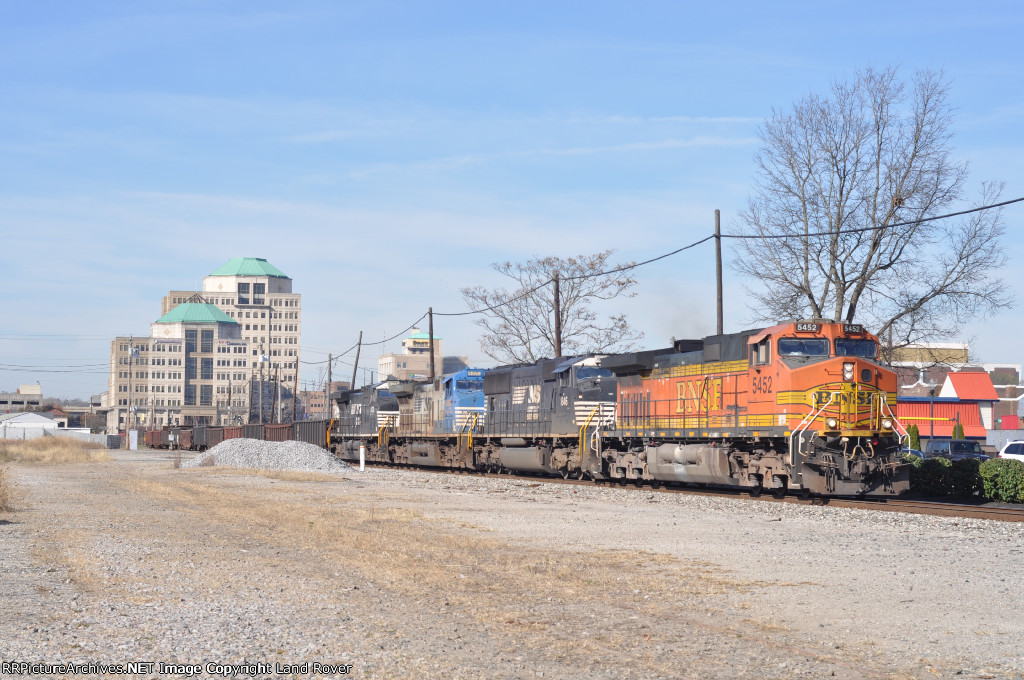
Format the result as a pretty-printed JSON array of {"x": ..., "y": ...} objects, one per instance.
[{"x": 401, "y": 574}]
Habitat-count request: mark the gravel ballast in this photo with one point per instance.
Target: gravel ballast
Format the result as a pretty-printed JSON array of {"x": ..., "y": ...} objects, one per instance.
[
  {"x": 262, "y": 455},
  {"x": 137, "y": 560}
]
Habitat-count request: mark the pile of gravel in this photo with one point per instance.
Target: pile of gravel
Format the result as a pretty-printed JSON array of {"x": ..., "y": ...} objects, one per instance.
[{"x": 253, "y": 453}]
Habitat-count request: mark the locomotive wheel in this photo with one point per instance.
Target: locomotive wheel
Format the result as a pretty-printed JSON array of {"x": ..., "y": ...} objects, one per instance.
[
  {"x": 779, "y": 493},
  {"x": 755, "y": 491}
]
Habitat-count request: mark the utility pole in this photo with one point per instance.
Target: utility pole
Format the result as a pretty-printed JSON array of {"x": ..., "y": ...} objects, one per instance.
[
  {"x": 261, "y": 383},
  {"x": 430, "y": 313},
  {"x": 718, "y": 267},
  {"x": 355, "y": 367},
  {"x": 558, "y": 318},
  {"x": 276, "y": 398},
  {"x": 128, "y": 416},
  {"x": 295, "y": 393},
  {"x": 328, "y": 411}
]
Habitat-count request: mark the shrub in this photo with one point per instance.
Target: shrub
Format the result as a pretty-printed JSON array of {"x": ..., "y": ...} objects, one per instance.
[
  {"x": 1003, "y": 480},
  {"x": 931, "y": 477},
  {"x": 958, "y": 431},
  {"x": 964, "y": 478},
  {"x": 914, "y": 437},
  {"x": 6, "y": 494}
]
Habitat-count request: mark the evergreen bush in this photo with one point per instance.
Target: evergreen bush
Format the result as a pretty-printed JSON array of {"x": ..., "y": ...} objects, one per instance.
[
  {"x": 964, "y": 478},
  {"x": 914, "y": 437},
  {"x": 931, "y": 477},
  {"x": 1003, "y": 480}
]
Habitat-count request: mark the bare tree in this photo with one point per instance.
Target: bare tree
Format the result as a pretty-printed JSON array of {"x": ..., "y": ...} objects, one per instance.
[
  {"x": 875, "y": 156},
  {"x": 520, "y": 323}
]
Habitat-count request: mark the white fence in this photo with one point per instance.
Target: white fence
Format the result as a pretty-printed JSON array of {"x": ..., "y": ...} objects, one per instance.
[
  {"x": 80, "y": 433},
  {"x": 997, "y": 438}
]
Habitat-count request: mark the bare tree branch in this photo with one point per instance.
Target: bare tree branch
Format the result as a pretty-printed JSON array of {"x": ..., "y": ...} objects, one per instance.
[
  {"x": 873, "y": 154},
  {"x": 520, "y": 325}
]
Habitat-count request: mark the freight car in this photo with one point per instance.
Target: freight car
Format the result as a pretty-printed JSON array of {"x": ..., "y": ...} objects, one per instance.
[
  {"x": 202, "y": 437},
  {"x": 802, "y": 406}
]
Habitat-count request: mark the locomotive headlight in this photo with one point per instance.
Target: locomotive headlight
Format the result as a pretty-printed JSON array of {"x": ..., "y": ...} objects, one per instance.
[
  {"x": 847, "y": 371},
  {"x": 886, "y": 424},
  {"x": 832, "y": 423}
]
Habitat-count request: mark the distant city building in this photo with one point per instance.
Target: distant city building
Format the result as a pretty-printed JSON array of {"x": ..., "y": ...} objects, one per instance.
[
  {"x": 313, "y": 402},
  {"x": 414, "y": 361},
  {"x": 25, "y": 398},
  {"x": 259, "y": 297},
  {"x": 210, "y": 352}
]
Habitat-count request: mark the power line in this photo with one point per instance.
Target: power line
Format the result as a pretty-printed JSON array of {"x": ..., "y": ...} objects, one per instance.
[
  {"x": 495, "y": 306},
  {"x": 636, "y": 265},
  {"x": 338, "y": 356},
  {"x": 55, "y": 365},
  {"x": 881, "y": 226}
]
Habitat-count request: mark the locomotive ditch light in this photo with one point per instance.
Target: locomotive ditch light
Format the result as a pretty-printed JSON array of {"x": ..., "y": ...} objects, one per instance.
[
  {"x": 886, "y": 424},
  {"x": 832, "y": 424},
  {"x": 848, "y": 371}
]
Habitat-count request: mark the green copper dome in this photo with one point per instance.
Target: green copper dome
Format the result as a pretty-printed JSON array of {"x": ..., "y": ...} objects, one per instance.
[
  {"x": 195, "y": 312},
  {"x": 248, "y": 266}
]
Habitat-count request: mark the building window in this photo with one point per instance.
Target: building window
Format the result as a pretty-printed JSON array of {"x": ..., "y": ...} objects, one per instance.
[
  {"x": 190, "y": 341},
  {"x": 258, "y": 290},
  {"x": 207, "y": 341},
  {"x": 243, "y": 293},
  {"x": 207, "y": 369},
  {"x": 190, "y": 395},
  {"x": 190, "y": 368},
  {"x": 206, "y": 395}
]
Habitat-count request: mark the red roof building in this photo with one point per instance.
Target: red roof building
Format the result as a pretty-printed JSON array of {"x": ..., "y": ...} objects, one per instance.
[
  {"x": 973, "y": 387},
  {"x": 938, "y": 419}
]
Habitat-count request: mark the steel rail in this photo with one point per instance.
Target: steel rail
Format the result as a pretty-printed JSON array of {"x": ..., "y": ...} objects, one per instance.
[{"x": 914, "y": 506}]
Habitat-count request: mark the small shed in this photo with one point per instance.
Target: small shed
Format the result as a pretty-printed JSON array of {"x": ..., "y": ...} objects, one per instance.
[
  {"x": 25, "y": 425},
  {"x": 972, "y": 387}
]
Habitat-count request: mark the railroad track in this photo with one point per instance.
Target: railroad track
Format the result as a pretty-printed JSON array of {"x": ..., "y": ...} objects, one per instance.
[
  {"x": 907, "y": 505},
  {"x": 924, "y": 507}
]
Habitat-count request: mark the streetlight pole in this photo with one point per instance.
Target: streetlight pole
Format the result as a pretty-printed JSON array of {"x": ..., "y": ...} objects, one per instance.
[
  {"x": 931, "y": 414},
  {"x": 132, "y": 353}
]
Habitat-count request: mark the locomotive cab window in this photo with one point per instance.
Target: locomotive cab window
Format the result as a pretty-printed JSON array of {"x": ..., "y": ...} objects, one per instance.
[
  {"x": 585, "y": 372},
  {"x": 853, "y": 347},
  {"x": 803, "y": 347},
  {"x": 761, "y": 353}
]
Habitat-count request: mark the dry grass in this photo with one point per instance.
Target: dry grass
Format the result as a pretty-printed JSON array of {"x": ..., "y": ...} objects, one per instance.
[
  {"x": 51, "y": 451},
  {"x": 282, "y": 475},
  {"x": 414, "y": 554},
  {"x": 537, "y": 596},
  {"x": 6, "y": 491}
]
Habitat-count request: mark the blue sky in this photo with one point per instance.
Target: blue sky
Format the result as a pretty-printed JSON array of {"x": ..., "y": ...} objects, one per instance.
[{"x": 383, "y": 154}]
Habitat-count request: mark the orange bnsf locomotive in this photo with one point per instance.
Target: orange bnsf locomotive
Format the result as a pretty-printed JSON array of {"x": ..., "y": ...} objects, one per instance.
[
  {"x": 799, "y": 406},
  {"x": 802, "y": 406}
]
